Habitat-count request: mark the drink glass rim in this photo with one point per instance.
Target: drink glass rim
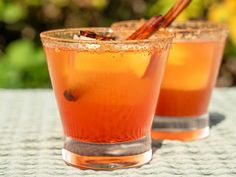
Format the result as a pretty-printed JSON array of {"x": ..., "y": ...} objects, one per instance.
[
  {"x": 198, "y": 25},
  {"x": 49, "y": 35},
  {"x": 206, "y": 26},
  {"x": 188, "y": 30},
  {"x": 63, "y": 39}
]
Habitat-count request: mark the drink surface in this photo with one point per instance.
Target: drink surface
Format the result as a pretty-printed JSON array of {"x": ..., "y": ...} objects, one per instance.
[
  {"x": 189, "y": 78},
  {"x": 114, "y": 94}
]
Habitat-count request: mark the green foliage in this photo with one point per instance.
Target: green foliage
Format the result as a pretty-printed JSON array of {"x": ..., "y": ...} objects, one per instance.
[
  {"x": 195, "y": 10},
  {"x": 22, "y": 61},
  {"x": 23, "y": 65},
  {"x": 19, "y": 52},
  {"x": 160, "y": 7},
  {"x": 12, "y": 12},
  {"x": 1, "y": 9},
  {"x": 33, "y": 2},
  {"x": 9, "y": 77},
  {"x": 99, "y": 4}
]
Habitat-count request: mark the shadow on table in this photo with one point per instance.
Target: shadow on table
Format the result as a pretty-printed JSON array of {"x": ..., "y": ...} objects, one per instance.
[
  {"x": 156, "y": 145},
  {"x": 216, "y": 118}
]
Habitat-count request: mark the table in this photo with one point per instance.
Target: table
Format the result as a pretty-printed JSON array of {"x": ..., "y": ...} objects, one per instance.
[{"x": 31, "y": 141}]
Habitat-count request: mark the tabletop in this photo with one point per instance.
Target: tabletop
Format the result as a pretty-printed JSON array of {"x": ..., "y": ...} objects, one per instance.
[{"x": 31, "y": 141}]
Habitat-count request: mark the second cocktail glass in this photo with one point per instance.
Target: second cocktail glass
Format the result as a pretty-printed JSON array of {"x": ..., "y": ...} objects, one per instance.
[
  {"x": 106, "y": 92},
  {"x": 193, "y": 64}
]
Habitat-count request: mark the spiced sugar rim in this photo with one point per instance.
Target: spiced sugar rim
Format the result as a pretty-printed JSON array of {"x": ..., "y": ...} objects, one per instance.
[
  {"x": 197, "y": 26},
  {"x": 50, "y": 36},
  {"x": 175, "y": 26}
]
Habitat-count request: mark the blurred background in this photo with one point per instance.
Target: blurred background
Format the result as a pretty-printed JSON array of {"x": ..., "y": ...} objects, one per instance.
[{"x": 22, "y": 61}]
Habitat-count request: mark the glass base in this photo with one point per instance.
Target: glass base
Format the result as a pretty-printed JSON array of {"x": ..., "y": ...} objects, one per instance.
[
  {"x": 109, "y": 156},
  {"x": 180, "y": 128}
]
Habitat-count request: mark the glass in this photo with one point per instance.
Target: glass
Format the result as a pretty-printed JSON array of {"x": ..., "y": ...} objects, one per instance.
[
  {"x": 189, "y": 78},
  {"x": 106, "y": 92}
]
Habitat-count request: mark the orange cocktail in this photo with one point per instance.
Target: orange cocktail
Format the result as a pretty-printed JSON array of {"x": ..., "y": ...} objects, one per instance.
[
  {"x": 193, "y": 64},
  {"x": 106, "y": 92}
]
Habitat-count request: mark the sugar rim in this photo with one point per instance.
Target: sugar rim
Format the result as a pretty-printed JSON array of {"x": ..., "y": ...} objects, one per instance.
[
  {"x": 45, "y": 36},
  {"x": 215, "y": 27}
]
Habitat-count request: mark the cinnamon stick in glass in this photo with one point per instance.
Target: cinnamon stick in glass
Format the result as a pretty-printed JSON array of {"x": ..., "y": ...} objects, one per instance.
[{"x": 156, "y": 22}]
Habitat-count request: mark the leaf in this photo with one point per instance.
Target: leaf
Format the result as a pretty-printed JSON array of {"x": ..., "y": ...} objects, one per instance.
[
  {"x": 60, "y": 3},
  {"x": 194, "y": 10},
  {"x": 232, "y": 27},
  {"x": 99, "y": 4},
  {"x": 13, "y": 12},
  {"x": 1, "y": 9},
  {"x": 36, "y": 77},
  {"x": 33, "y": 2},
  {"x": 39, "y": 56},
  {"x": 9, "y": 77},
  {"x": 225, "y": 12},
  {"x": 160, "y": 7},
  {"x": 218, "y": 13},
  {"x": 20, "y": 53}
]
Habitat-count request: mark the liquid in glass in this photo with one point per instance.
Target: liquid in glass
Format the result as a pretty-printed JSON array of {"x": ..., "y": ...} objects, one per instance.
[
  {"x": 106, "y": 92},
  {"x": 189, "y": 78}
]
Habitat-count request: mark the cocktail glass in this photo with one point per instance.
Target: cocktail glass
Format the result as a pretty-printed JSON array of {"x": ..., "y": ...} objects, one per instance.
[
  {"x": 106, "y": 92},
  {"x": 189, "y": 78}
]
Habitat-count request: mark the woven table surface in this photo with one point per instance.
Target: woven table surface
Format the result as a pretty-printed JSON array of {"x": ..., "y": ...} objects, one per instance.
[{"x": 31, "y": 141}]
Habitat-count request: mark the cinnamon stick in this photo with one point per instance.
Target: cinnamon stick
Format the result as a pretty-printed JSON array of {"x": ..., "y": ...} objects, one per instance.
[
  {"x": 156, "y": 22},
  {"x": 175, "y": 11},
  {"x": 147, "y": 28}
]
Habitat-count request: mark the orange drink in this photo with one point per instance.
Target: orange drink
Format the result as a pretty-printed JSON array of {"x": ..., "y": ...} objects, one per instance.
[
  {"x": 189, "y": 78},
  {"x": 106, "y": 92}
]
